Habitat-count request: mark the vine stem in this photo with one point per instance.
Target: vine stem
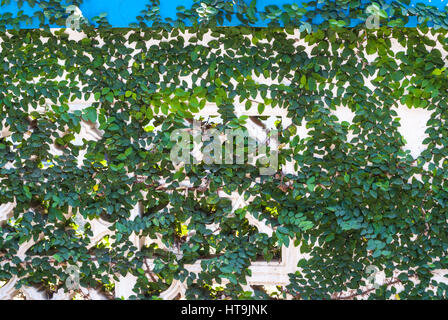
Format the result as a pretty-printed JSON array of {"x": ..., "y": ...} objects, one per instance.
[{"x": 354, "y": 295}]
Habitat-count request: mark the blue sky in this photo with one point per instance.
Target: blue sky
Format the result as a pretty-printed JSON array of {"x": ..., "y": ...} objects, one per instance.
[{"x": 121, "y": 13}]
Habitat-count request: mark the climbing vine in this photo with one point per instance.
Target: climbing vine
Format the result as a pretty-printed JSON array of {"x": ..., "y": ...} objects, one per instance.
[{"x": 357, "y": 199}]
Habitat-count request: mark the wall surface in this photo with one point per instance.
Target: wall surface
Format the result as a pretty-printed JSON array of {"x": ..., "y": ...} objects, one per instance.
[{"x": 413, "y": 126}]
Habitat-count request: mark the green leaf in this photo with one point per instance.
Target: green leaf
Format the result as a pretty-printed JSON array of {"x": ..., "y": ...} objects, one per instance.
[
  {"x": 213, "y": 199},
  {"x": 58, "y": 258},
  {"x": 310, "y": 184},
  {"x": 194, "y": 55},
  {"x": 28, "y": 194},
  {"x": 110, "y": 97}
]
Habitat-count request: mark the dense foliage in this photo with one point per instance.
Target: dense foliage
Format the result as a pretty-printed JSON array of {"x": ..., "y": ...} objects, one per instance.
[{"x": 358, "y": 199}]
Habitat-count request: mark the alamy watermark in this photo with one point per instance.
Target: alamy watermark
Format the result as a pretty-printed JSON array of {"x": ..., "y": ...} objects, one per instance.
[
  {"x": 373, "y": 20},
  {"x": 80, "y": 222},
  {"x": 74, "y": 20},
  {"x": 72, "y": 282},
  {"x": 234, "y": 142},
  {"x": 373, "y": 271}
]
